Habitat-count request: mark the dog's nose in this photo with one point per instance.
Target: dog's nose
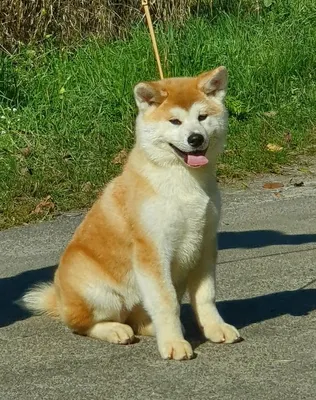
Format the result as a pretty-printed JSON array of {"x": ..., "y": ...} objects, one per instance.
[{"x": 195, "y": 139}]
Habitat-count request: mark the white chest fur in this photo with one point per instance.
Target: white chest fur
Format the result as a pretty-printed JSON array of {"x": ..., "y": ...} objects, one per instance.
[{"x": 184, "y": 210}]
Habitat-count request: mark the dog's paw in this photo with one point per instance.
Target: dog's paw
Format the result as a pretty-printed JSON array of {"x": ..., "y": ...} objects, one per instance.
[
  {"x": 112, "y": 332},
  {"x": 221, "y": 333},
  {"x": 176, "y": 350},
  {"x": 121, "y": 334}
]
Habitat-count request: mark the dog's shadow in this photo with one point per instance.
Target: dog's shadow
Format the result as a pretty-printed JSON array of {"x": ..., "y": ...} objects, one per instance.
[
  {"x": 261, "y": 238},
  {"x": 245, "y": 312},
  {"x": 240, "y": 313},
  {"x": 12, "y": 289}
]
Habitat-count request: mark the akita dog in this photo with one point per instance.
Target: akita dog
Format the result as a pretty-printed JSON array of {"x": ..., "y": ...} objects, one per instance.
[{"x": 152, "y": 233}]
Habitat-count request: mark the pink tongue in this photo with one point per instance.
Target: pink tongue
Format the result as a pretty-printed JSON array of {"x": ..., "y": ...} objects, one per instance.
[{"x": 196, "y": 161}]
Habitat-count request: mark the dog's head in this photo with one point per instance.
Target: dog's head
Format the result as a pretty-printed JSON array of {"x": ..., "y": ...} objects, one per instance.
[{"x": 182, "y": 120}]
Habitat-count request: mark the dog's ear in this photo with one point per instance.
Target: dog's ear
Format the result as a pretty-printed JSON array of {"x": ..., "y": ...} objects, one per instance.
[
  {"x": 148, "y": 94},
  {"x": 214, "y": 83}
]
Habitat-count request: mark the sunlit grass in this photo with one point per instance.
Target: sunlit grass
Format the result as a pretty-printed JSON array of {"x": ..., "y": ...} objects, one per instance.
[{"x": 73, "y": 109}]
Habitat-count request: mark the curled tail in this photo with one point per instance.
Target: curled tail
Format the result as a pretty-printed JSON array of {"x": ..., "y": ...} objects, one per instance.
[{"x": 41, "y": 299}]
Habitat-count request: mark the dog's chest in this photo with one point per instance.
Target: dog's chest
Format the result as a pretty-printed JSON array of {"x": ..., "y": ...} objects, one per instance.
[
  {"x": 180, "y": 215},
  {"x": 189, "y": 215},
  {"x": 190, "y": 222}
]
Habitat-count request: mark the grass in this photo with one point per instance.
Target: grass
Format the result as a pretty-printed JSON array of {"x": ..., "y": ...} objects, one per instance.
[
  {"x": 65, "y": 113},
  {"x": 71, "y": 20}
]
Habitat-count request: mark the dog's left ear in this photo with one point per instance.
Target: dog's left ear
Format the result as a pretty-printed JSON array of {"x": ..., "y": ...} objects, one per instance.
[{"x": 214, "y": 83}]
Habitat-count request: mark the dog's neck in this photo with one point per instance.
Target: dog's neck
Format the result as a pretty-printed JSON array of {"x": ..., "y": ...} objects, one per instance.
[{"x": 176, "y": 174}]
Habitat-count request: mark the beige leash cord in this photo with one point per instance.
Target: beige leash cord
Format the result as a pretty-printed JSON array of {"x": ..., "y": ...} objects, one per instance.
[{"x": 145, "y": 5}]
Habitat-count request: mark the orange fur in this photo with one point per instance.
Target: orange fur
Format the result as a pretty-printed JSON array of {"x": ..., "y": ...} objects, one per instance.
[
  {"x": 177, "y": 97},
  {"x": 99, "y": 247}
]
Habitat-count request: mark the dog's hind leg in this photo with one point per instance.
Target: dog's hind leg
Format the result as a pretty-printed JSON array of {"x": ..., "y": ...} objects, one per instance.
[
  {"x": 103, "y": 323},
  {"x": 90, "y": 306}
]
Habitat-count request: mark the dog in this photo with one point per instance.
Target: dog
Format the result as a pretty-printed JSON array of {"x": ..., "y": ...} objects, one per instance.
[{"x": 152, "y": 234}]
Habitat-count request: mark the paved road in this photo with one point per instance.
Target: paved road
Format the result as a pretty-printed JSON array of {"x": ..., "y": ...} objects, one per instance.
[{"x": 266, "y": 286}]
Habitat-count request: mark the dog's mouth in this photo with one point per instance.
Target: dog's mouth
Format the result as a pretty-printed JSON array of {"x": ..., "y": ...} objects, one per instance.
[{"x": 193, "y": 159}]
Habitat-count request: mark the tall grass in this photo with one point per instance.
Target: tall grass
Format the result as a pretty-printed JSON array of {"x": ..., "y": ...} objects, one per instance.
[
  {"x": 67, "y": 21},
  {"x": 65, "y": 113}
]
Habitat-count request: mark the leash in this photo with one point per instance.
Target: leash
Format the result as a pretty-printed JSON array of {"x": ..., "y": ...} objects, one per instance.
[{"x": 145, "y": 5}]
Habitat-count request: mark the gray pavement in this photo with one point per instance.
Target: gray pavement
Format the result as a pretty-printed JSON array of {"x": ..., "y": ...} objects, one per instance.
[{"x": 266, "y": 287}]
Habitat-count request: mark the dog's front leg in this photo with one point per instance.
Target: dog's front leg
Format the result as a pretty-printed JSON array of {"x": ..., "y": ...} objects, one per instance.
[
  {"x": 201, "y": 285},
  {"x": 160, "y": 300}
]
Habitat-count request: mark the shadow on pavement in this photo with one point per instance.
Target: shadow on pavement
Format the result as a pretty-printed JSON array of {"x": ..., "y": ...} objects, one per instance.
[
  {"x": 263, "y": 238},
  {"x": 245, "y": 312},
  {"x": 12, "y": 289},
  {"x": 240, "y": 313}
]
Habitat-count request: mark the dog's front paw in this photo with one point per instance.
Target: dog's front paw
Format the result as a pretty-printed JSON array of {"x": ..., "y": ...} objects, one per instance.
[
  {"x": 221, "y": 333},
  {"x": 176, "y": 350}
]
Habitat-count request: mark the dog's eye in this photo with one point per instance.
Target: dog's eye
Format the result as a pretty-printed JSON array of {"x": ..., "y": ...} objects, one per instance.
[
  {"x": 175, "y": 121},
  {"x": 202, "y": 117}
]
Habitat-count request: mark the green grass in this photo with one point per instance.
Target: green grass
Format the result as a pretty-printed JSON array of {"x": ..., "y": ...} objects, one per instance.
[{"x": 73, "y": 107}]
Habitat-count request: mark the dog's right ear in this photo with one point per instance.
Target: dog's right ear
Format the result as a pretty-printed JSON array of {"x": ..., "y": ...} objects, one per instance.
[{"x": 148, "y": 94}]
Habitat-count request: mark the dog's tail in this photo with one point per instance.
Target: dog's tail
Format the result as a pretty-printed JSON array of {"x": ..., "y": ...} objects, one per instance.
[{"x": 41, "y": 299}]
